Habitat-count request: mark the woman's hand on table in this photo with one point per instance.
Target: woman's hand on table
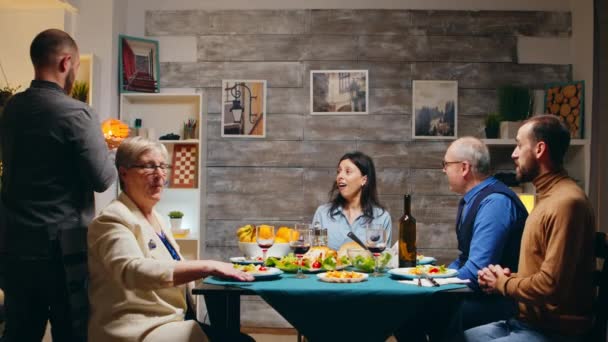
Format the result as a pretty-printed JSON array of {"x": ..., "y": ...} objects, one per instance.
[{"x": 226, "y": 270}]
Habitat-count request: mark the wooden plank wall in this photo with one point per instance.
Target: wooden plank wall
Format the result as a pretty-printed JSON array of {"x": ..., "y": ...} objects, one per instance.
[{"x": 282, "y": 179}]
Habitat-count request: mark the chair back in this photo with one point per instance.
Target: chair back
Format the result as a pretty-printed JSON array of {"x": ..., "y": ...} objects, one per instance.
[{"x": 600, "y": 280}]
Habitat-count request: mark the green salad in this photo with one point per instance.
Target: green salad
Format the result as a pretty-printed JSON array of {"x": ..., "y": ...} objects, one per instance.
[
  {"x": 289, "y": 263},
  {"x": 366, "y": 264}
]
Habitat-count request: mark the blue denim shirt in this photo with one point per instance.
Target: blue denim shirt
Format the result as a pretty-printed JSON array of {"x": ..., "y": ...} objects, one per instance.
[
  {"x": 496, "y": 218},
  {"x": 338, "y": 226}
]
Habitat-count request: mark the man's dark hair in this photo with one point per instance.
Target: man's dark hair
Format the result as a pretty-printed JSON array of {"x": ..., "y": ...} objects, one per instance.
[
  {"x": 48, "y": 44},
  {"x": 551, "y": 130}
]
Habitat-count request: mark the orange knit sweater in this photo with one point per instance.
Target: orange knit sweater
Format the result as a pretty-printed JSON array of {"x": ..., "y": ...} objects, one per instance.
[{"x": 553, "y": 285}]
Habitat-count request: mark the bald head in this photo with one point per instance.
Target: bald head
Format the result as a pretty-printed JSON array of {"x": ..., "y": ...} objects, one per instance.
[
  {"x": 49, "y": 46},
  {"x": 474, "y": 151}
]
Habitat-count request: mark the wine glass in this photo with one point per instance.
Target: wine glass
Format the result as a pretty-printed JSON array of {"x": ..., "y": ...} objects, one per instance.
[
  {"x": 300, "y": 240},
  {"x": 264, "y": 235},
  {"x": 375, "y": 241}
]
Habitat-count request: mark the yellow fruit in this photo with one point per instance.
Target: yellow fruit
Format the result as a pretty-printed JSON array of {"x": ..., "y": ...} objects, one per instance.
[
  {"x": 283, "y": 233},
  {"x": 244, "y": 233},
  {"x": 265, "y": 231}
]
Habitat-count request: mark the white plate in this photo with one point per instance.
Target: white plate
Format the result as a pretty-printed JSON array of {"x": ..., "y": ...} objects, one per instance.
[
  {"x": 405, "y": 273},
  {"x": 317, "y": 270},
  {"x": 425, "y": 260},
  {"x": 245, "y": 261},
  {"x": 270, "y": 273},
  {"x": 323, "y": 277}
]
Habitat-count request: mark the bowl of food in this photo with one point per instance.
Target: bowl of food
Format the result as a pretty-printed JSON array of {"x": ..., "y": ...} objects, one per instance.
[
  {"x": 366, "y": 264},
  {"x": 252, "y": 250},
  {"x": 179, "y": 233}
]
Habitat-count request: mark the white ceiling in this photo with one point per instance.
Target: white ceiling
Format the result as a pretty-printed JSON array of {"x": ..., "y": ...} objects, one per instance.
[{"x": 38, "y": 4}]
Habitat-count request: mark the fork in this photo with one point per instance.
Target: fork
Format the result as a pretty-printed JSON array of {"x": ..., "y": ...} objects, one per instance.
[{"x": 420, "y": 281}]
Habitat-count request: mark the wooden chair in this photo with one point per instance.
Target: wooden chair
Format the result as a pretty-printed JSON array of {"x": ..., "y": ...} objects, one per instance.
[{"x": 600, "y": 279}]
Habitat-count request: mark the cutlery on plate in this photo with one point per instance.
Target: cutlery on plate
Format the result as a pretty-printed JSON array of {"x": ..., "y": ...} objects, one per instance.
[
  {"x": 356, "y": 239},
  {"x": 419, "y": 282},
  {"x": 433, "y": 281}
]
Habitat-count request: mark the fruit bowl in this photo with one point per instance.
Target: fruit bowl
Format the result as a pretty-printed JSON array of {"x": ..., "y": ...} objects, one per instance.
[{"x": 251, "y": 249}]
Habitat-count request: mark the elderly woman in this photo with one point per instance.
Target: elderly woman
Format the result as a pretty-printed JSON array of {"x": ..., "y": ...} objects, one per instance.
[{"x": 138, "y": 279}]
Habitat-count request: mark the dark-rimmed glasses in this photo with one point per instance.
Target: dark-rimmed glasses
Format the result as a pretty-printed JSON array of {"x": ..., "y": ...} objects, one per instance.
[
  {"x": 151, "y": 168},
  {"x": 446, "y": 163}
]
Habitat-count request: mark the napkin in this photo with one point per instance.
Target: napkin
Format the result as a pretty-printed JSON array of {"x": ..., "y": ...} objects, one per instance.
[
  {"x": 440, "y": 281},
  {"x": 394, "y": 251}
]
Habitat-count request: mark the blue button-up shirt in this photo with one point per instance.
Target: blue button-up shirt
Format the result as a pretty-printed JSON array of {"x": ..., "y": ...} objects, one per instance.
[
  {"x": 338, "y": 226},
  {"x": 496, "y": 217}
]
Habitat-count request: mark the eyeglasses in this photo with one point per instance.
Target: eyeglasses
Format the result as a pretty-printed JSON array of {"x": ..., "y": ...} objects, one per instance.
[
  {"x": 446, "y": 163},
  {"x": 151, "y": 168}
]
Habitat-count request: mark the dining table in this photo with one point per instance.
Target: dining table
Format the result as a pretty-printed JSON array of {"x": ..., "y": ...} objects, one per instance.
[{"x": 370, "y": 310}]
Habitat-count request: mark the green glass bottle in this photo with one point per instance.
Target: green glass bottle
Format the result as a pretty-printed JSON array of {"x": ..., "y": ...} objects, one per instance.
[{"x": 407, "y": 235}]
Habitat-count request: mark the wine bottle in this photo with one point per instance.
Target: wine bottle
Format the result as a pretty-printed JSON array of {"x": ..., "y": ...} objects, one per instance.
[{"x": 407, "y": 235}]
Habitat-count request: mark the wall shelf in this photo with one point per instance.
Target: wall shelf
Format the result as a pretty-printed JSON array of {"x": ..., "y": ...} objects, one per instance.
[{"x": 166, "y": 113}]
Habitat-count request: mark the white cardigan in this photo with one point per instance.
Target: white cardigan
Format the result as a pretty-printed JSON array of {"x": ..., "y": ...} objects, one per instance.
[{"x": 131, "y": 289}]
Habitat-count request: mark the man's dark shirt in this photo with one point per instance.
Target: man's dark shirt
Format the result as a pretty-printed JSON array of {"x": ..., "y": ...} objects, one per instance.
[{"x": 54, "y": 157}]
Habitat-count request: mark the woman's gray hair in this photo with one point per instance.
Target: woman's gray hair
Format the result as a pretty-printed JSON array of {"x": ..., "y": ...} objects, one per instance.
[
  {"x": 475, "y": 152},
  {"x": 131, "y": 149}
]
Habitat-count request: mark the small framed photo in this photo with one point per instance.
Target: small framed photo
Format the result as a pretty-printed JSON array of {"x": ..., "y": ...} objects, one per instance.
[
  {"x": 139, "y": 65},
  {"x": 244, "y": 108},
  {"x": 434, "y": 109},
  {"x": 338, "y": 92}
]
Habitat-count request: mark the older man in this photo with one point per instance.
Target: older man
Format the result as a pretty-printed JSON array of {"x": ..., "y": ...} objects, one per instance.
[
  {"x": 553, "y": 286},
  {"x": 489, "y": 225}
]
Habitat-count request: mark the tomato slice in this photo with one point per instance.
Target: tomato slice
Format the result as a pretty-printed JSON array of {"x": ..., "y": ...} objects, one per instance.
[
  {"x": 316, "y": 264},
  {"x": 262, "y": 268},
  {"x": 434, "y": 270}
]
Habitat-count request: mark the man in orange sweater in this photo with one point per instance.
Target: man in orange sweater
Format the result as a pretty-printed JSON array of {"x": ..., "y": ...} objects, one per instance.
[{"x": 553, "y": 286}]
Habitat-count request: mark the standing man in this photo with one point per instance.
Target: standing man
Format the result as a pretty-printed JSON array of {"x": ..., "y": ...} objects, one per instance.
[
  {"x": 54, "y": 158},
  {"x": 553, "y": 286},
  {"x": 489, "y": 226}
]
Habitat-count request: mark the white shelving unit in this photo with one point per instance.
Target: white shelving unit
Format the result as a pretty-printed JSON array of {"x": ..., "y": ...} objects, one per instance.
[
  {"x": 165, "y": 113},
  {"x": 576, "y": 161}
]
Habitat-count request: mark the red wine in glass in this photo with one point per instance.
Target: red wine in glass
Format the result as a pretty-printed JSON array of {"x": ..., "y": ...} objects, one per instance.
[
  {"x": 265, "y": 238},
  {"x": 375, "y": 241},
  {"x": 301, "y": 249},
  {"x": 377, "y": 249},
  {"x": 300, "y": 241}
]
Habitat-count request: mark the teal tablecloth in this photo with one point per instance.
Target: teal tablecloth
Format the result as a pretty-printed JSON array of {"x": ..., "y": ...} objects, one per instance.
[{"x": 365, "y": 311}]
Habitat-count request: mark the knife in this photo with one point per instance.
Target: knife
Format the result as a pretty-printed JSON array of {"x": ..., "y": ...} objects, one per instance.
[
  {"x": 433, "y": 281},
  {"x": 356, "y": 239}
]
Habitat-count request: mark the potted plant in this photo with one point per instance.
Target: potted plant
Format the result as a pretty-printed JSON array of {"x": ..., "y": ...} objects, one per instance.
[
  {"x": 5, "y": 93},
  {"x": 492, "y": 125},
  {"x": 514, "y": 104},
  {"x": 80, "y": 91},
  {"x": 176, "y": 219}
]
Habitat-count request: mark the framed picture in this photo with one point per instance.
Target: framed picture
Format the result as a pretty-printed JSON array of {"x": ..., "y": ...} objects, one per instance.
[
  {"x": 184, "y": 173},
  {"x": 139, "y": 65},
  {"x": 244, "y": 108},
  {"x": 338, "y": 92},
  {"x": 567, "y": 100},
  {"x": 434, "y": 109}
]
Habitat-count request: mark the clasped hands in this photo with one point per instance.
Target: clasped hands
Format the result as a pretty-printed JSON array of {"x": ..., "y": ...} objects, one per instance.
[{"x": 487, "y": 277}]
